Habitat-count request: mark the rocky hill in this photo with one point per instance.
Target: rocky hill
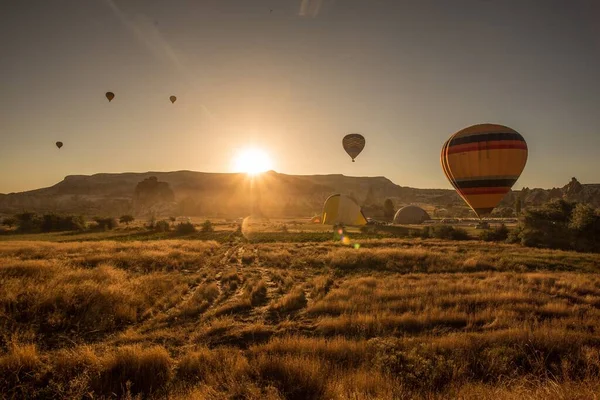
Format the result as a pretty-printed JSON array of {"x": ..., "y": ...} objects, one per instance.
[{"x": 189, "y": 193}]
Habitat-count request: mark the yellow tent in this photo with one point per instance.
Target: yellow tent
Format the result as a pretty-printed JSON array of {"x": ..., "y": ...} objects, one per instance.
[{"x": 341, "y": 209}]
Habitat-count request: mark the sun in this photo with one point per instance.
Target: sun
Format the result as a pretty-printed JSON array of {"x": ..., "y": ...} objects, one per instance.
[{"x": 252, "y": 161}]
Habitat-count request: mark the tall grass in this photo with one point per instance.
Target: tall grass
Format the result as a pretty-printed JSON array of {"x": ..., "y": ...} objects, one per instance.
[{"x": 393, "y": 319}]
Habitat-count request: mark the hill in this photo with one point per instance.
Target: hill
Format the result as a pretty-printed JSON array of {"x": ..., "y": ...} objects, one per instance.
[{"x": 235, "y": 195}]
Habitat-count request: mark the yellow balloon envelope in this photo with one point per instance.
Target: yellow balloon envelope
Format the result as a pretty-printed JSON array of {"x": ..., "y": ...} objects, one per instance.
[
  {"x": 483, "y": 162},
  {"x": 341, "y": 209}
]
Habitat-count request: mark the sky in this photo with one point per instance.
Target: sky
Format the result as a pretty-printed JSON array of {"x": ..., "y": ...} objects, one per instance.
[{"x": 293, "y": 81}]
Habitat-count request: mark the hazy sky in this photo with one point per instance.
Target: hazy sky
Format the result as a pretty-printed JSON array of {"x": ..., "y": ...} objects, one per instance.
[{"x": 294, "y": 81}]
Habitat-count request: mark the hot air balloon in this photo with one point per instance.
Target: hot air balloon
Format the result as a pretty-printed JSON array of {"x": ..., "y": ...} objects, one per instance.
[
  {"x": 341, "y": 209},
  {"x": 110, "y": 96},
  {"x": 59, "y": 144},
  {"x": 353, "y": 143},
  {"x": 483, "y": 162},
  {"x": 173, "y": 99}
]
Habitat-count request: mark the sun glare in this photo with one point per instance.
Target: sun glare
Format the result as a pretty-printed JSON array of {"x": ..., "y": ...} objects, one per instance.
[{"x": 252, "y": 161}]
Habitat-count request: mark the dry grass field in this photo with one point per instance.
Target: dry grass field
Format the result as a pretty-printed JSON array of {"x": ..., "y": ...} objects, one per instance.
[{"x": 394, "y": 319}]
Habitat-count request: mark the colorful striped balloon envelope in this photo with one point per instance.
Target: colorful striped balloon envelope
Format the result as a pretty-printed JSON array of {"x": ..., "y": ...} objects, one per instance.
[{"x": 483, "y": 162}]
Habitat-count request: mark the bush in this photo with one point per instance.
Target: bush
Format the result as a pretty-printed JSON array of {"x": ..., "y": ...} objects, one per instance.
[
  {"x": 106, "y": 224},
  {"x": 28, "y": 222},
  {"x": 58, "y": 223},
  {"x": 207, "y": 227},
  {"x": 185, "y": 228},
  {"x": 126, "y": 219},
  {"x": 561, "y": 225},
  {"x": 514, "y": 236},
  {"x": 162, "y": 226},
  {"x": 9, "y": 221},
  {"x": 449, "y": 232},
  {"x": 498, "y": 234}
]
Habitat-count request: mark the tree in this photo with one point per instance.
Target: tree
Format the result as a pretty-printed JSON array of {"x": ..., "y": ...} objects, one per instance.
[
  {"x": 185, "y": 228},
  {"x": 388, "y": 209},
  {"x": 207, "y": 226},
  {"x": 9, "y": 221},
  {"x": 518, "y": 206},
  {"x": 370, "y": 197},
  {"x": 162, "y": 226},
  {"x": 498, "y": 234},
  {"x": 585, "y": 227},
  {"x": 126, "y": 219},
  {"x": 504, "y": 212},
  {"x": 548, "y": 226},
  {"x": 106, "y": 223},
  {"x": 28, "y": 222}
]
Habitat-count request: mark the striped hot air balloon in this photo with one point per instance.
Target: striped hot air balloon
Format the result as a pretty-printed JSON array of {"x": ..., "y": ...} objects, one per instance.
[
  {"x": 353, "y": 143},
  {"x": 483, "y": 162}
]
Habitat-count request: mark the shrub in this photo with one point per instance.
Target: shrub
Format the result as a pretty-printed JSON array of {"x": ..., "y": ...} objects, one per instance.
[
  {"x": 514, "y": 236},
  {"x": 126, "y": 219},
  {"x": 28, "y": 222},
  {"x": 585, "y": 227},
  {"x": 498, "y": 234},
  {"x": 57, "y": 223},
  {"x": 207, "y": 227},
  {"x": 184, "y": 228},
  {"x": 9, "y": 221},
  {"x": 561, "y": 225},
  {"x": 162, "y": 226},
  {"x": 106, "y": 224},
  {"x": 388, "y": 209},
  {"x": 449, "y": 232}
]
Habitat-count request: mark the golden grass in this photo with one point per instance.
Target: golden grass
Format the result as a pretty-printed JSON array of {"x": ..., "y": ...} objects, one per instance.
[{"x": 394, "y": 319}]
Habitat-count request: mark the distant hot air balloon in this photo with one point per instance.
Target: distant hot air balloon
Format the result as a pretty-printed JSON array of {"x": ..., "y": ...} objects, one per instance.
[
  {"x": 353, "y": 143},
  {"x": 173, "y": 99},
  {"x": 483, "y": 162},
  {"x": 59, "y": 144},
  {"x": 110, "y": 96}
]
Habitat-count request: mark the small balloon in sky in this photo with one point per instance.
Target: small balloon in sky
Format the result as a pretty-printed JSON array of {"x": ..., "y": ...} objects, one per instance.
[
  {"x": 353, "y": 143},
  {"x": 173, "y": 99},
  {"x": 59, "y": 144},
  {"x": 110, "y": 96}
]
